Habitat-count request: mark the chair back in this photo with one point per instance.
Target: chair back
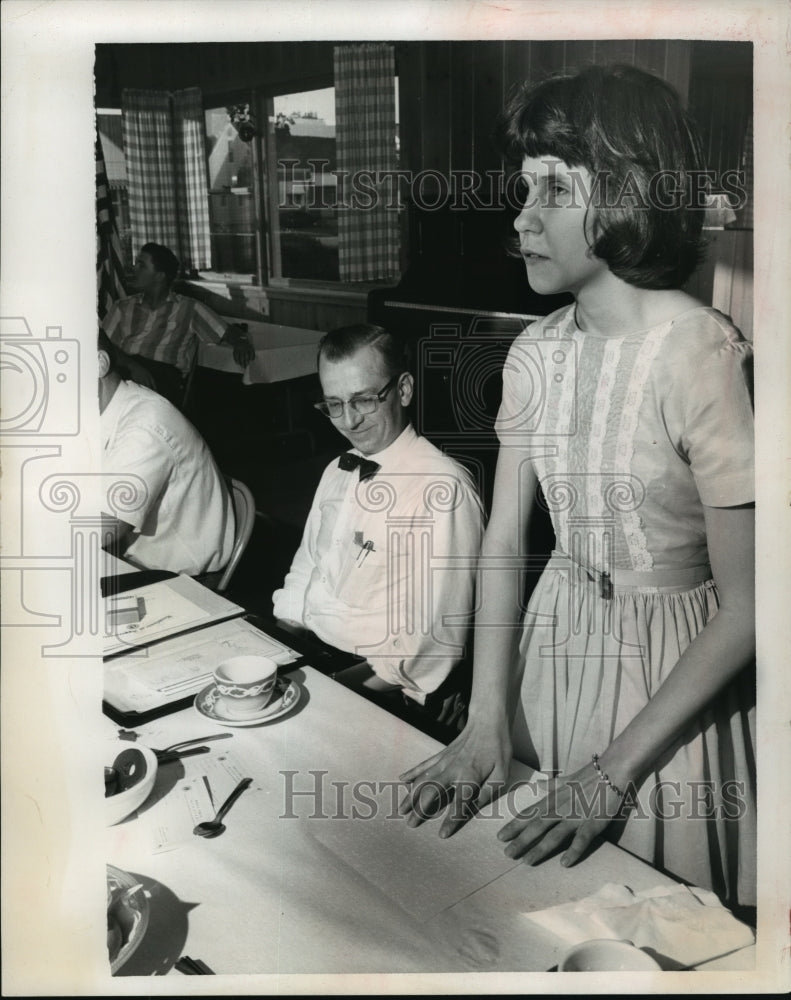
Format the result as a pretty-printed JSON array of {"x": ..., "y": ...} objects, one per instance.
[
  {"x": 244, "y": 511},
  {"x": 189, "y": 378}
]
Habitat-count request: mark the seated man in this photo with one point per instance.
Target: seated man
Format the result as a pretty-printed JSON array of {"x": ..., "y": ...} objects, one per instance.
[
  {"x": 183, "y": 518},
  {"x": 160, "y": 329},
  {"x": 386, "y": 564}
]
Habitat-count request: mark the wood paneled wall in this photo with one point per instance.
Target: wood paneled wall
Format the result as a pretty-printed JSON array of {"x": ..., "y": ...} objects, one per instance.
[
  {"x": 451, "y": 92},
  {"x": 725, "y": 279},
  {"x": 315, "y": 312},
  {"x": 218, "y": 68}
]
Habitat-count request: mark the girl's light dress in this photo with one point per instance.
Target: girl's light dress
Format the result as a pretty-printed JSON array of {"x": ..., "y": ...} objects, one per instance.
[{"x": 630, "y": 435}]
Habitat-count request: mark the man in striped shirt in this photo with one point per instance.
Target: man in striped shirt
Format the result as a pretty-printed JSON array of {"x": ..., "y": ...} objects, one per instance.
[{"x": 160, "y": 329}]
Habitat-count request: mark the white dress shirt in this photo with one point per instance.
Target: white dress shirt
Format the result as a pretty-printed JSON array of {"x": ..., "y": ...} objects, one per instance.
[
  {"x": 183, "y": 518},
  {"x": 386, "y": 566}
]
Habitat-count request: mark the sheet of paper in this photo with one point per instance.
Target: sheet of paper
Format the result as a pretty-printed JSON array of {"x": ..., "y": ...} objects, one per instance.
[
  {"x": 166, "y": 608},
  {"x": 183, "y": 665},
  {"x": 405, "y": 864},
  {"x": 208, "y": 780}
]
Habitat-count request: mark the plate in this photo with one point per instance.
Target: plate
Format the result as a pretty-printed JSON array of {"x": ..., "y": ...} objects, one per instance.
[
  {"x": 286, "y": 696},
  {"x": 128, "y": 902}
]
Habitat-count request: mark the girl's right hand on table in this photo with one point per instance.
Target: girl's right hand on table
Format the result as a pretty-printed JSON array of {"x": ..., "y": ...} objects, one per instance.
[{"x": 465, "y": 776}]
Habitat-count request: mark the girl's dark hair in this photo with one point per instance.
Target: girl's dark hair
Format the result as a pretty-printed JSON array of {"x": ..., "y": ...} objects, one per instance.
[
  {"x": 629, "y": 130},
  {"x": 347, "y": 340}
]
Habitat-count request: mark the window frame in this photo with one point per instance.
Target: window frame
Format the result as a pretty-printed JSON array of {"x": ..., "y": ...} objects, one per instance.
[
  {"x": 227, "y": 99},
  {"x": 265, "y": 187},
  {"x": 265, "y": 193},
  {"x": 270, "y": 180}
]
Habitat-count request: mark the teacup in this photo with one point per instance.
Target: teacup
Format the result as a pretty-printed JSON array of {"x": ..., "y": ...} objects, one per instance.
[
  {"x": 605, "y": 955},
  {"x": 245, "y": 683}
]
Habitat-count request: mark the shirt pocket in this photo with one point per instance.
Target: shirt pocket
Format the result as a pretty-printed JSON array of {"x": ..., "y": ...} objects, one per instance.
[
  {"x": 363, "y": 577},
  {"x": 325, "y": 542}
]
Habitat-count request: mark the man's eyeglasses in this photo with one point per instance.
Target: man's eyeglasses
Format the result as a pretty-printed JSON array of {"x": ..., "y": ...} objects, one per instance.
[{"x": 359, "y": 404}]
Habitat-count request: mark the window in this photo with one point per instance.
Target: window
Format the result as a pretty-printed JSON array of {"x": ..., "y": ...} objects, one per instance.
[
  {"x": 231, "y": 182},
  {"x": 300, "y": 160},
  {"x": 272, "y": 186},
  {"x": 302, "y": 204}
]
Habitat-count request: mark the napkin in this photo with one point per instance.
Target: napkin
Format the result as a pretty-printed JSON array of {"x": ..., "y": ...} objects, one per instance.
[{"x": 684, "y": 924}]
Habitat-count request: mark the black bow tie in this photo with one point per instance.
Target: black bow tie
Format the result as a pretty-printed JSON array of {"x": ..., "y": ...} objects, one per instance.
[{"x": 349, "y": 461}]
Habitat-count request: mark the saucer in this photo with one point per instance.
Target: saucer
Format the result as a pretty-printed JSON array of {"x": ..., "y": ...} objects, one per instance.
[{"x": 284, "y": 698}]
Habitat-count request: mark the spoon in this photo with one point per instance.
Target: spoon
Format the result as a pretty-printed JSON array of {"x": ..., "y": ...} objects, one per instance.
[{"x": 214, "y": 827}]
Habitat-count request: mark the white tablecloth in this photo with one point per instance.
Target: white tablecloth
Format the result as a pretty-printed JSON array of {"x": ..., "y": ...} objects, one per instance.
[
  {"x": 281, "y": 352},
  {"x": 298, "y": 884}
]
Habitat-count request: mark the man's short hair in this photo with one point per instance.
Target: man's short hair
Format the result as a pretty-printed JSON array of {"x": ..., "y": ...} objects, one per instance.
[
  {"x": 163, "y": 259},
  {"x": 105, "y": 344},
  {"x": 345, "y": 341}
]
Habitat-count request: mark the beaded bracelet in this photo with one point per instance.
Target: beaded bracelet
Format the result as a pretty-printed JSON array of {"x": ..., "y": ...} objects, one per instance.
[{"x": 605, "y": 777}]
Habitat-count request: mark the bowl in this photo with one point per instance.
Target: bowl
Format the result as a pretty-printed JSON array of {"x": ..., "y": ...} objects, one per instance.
[
  {"x": 127, "y": 916},
  {"x": 607, "y": 955},
  {"x": 117, "y": 807}
]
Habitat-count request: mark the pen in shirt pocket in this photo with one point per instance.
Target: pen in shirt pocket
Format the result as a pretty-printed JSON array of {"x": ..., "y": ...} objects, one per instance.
[{"x": 365, "y": 547}]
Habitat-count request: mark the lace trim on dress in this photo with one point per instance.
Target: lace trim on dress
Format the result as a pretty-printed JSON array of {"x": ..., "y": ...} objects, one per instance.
[
  {"x": 598, "y": 429},
  {"x": 600, "y": 539},
  {"x": 631, "y": 523}
]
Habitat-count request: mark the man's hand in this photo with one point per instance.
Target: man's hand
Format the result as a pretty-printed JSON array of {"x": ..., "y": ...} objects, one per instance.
[
  {"x": 468, "y": 774},
  {"x": 243, "y": 352}
]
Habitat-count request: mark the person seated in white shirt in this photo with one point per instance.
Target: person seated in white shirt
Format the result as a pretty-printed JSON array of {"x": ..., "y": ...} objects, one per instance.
[
  {"x": 176, "y": 511},
  {"x": 386, "y": 565}
]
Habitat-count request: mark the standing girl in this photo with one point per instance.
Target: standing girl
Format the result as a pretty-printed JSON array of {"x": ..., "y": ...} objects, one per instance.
[{"x": 629, "y": 676}]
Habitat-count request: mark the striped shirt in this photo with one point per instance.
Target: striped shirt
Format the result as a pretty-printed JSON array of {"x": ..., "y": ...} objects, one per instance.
[{"x": 169, "y": 333}]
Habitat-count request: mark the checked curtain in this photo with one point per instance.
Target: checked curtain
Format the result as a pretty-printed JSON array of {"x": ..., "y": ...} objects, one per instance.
[
  {"x": 166, "y": 166},
  {"x": 365, "y": 131}
]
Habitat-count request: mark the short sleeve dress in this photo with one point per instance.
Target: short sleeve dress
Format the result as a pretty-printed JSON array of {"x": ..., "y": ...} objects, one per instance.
[{"x": 630, "y": 435}]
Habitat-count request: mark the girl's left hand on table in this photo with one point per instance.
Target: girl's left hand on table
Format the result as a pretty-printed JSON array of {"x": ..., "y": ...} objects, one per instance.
[{"x": 577, "y": 808}]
